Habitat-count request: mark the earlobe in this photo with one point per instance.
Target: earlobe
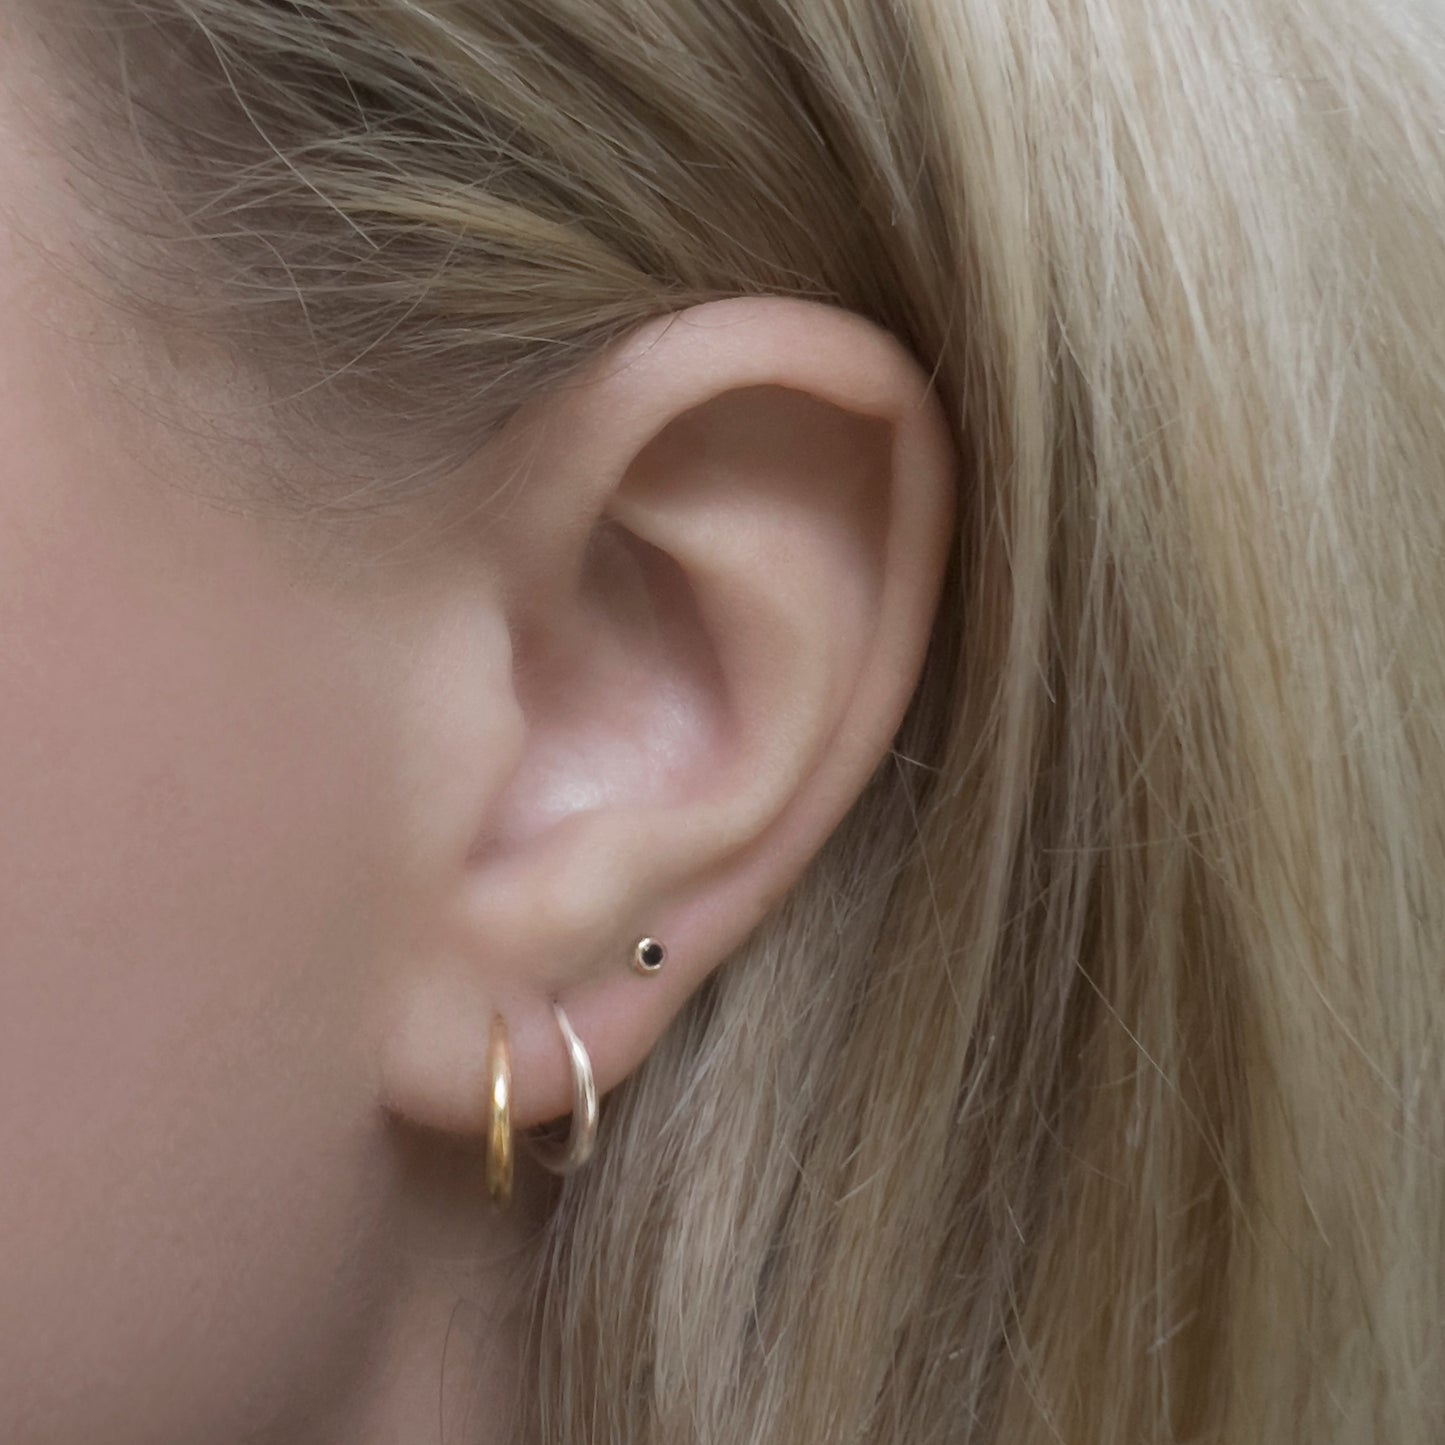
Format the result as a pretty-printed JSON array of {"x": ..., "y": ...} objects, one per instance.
[{"x": 723, "y": 572}]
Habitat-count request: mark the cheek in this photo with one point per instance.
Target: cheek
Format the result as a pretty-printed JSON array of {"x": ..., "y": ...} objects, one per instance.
[{"x": 192, "y": 886}]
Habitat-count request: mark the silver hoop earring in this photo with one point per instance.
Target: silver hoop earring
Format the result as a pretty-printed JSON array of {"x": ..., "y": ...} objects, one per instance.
[{"x": 576, "y": 1149}]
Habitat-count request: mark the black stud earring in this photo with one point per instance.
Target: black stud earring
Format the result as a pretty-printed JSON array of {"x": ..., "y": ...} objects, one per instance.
[{"x": 649, "y": 956}]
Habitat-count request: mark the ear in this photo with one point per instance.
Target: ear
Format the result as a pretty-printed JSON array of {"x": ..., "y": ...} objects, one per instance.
[{"x": 719, "y": 558}]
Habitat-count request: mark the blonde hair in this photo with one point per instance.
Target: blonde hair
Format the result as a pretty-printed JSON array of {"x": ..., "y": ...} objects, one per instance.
[{"x": 1090, "y": 1087}]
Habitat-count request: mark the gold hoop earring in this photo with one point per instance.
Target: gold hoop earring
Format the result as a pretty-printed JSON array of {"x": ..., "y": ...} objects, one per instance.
[
  {"x": 499, "y": 1123},
  {"x": 576, "y": 1149}
]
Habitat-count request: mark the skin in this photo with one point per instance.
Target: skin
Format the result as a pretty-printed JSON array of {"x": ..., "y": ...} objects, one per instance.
[{"x": 290, "y": 811}]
